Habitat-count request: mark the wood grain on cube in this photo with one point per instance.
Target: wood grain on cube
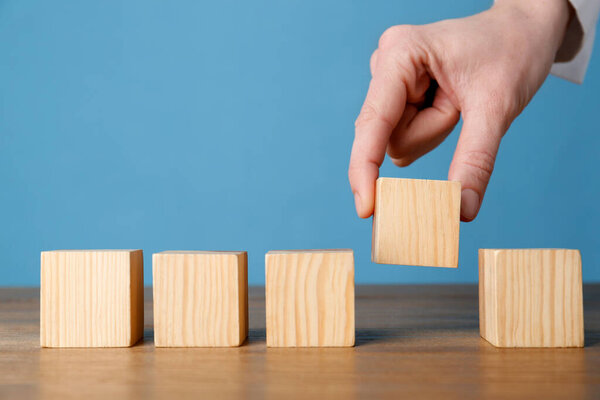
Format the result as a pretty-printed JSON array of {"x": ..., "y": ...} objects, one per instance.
[
  {"x": 310, "y": 298},
  {"x": 416, "y": 222},
  {"x": 531, "y": 297},
  {"x": 200, "y": 298},
  {"x": 91, "y": 298}
]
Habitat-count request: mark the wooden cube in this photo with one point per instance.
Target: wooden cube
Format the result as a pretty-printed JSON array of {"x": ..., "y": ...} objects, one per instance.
[
  {"x": 200, "y": 298},
  {"x": 416, "y": 222},
  {"x": 91, "y": 298},
  {"x": 531, "y": 297},
  {"x": 310, "y": 298}
]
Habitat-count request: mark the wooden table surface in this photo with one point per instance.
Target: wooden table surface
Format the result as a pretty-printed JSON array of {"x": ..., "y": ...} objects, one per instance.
[{"x": 412, "y": 341}]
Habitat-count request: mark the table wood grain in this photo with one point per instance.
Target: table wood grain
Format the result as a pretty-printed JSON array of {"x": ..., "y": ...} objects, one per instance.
[{"x": 411, "y": 341}]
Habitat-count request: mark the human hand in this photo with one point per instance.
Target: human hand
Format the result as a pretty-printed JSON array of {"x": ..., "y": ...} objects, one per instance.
[{"x": 487, "y": 66}]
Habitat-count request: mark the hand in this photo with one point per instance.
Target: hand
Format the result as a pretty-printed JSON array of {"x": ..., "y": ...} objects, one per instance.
[{"x": 486, "y": 67}]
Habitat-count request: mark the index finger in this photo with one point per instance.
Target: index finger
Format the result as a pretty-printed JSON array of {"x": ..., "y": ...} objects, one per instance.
[{"x": 380, "y": 113}]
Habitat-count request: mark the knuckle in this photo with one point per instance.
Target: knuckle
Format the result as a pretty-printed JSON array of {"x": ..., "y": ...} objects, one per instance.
[
  {"x": 354, "y": 173},
  {"x": 369, "y": 113},
  {"x": 402, "y": 161},
  {"x": 351, "y": 174},
  {"x": 388, "y": 37},
  {"x": 502, "y": 100},
  {"x": 374, "y": 57},
  {"x": 497, "y": 108},
  {"x": 394, "y": 35},
  {"x": 373, "y": 62},
  {"x": 480, "y": 162},
  {"x": 501, "y": 113},
  {"x": 453, "y": 116}
]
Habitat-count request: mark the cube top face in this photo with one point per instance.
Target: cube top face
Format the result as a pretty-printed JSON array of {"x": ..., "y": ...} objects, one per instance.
[
  {"x": 416, "y": 222},
  {"x": 200, "y": 298},
  {"x": 202, "y": 259},
  {"x": 127, "y": 251},
  {"x": 531, "y": 251},
  {"x": 531, "y": 297},
  {"x": 310, "y": 298},
  {"x": 91, "y": 298},
  {"x": 312, "y": 251},
  {"x": 201, "y": 252}
]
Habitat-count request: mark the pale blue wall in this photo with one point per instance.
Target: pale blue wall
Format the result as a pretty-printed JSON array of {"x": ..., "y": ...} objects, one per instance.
[{"x": 228, "y": 125}]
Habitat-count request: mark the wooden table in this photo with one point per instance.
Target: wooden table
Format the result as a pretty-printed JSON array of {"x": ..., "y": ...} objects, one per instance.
[{"x": 412, "y": 342}]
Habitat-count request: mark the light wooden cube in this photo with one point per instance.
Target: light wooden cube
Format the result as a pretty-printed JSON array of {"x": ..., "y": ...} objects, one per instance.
[
  {"x": 200, "y": 298},
  {"x": 310, "y": 298},
  {"x": 91, "y": 298},
  {"x": 416, "y": 222},
  {"x": 531, "y": 297}
]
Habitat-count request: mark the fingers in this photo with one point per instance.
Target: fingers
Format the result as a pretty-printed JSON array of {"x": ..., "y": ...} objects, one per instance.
[
  {"x": 379, "y": 115},
  {"x": 419, "y": 132},
  {"x": 474, "y": 160}
]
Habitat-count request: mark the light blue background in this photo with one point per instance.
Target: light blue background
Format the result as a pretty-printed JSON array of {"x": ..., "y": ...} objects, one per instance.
[{"x": 228, "y": 125}]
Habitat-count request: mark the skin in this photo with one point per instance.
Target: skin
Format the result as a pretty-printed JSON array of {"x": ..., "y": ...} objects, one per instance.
[{"x": 487, "y": 67}]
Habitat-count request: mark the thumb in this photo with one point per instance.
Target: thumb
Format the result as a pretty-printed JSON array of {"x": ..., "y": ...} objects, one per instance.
[{"x": 474, "y": 160}]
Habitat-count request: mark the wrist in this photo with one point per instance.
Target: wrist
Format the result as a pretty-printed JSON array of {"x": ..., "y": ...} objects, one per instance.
[{"x": 543, "y": 19}]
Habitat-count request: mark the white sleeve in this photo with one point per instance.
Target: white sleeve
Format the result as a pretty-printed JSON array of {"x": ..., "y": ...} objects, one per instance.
[{"x": 574, "y": 54}]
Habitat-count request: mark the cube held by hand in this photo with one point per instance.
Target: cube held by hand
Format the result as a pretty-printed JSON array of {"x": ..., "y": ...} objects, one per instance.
[{"x": 416, "y": 222}]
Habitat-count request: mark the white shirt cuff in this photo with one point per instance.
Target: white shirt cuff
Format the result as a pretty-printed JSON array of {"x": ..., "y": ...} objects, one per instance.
[{"x": 574, "y": 54}]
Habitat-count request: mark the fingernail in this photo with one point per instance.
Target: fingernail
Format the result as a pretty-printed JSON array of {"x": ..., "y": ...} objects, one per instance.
[
  {"x": 357, "y": 201},
  {"x": 469, "y": 204}
]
